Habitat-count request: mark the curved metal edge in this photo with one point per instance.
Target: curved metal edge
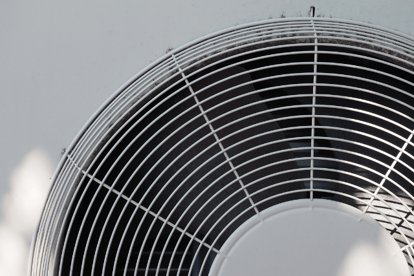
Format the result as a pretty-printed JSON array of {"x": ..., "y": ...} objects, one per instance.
[
  {"x": 206, "y": 37},
  {"x": 163, "y": 58}
]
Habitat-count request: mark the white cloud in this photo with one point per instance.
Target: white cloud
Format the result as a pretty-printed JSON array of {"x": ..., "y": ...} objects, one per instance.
[
  {"x": 22, "y": 206},
  {"x": 13, "y": 251}
]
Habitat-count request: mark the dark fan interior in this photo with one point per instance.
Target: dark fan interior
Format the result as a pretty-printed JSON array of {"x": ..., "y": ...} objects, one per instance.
[{"x": 167, "y": 159}]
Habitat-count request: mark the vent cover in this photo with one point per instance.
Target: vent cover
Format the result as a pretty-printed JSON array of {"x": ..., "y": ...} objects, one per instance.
[{"x": 218, "y": 131}]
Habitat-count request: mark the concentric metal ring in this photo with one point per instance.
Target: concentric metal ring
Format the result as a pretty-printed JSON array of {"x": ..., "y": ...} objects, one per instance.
[{"x": 223, "y": 128}]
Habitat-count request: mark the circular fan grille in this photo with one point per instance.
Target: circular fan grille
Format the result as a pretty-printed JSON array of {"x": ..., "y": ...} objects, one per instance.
[{"x": 221, "y": 129}]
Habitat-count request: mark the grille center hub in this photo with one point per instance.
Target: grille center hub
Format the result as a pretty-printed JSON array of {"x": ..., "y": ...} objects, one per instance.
[{"x": 304, "y": 237}]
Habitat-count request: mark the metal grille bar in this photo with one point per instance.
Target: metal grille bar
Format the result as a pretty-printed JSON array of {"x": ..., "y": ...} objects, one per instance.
[
  {"x": 215, "y": 135},
  {"x": 315, "y": 71},
  {"x": 307, "y": 107}
]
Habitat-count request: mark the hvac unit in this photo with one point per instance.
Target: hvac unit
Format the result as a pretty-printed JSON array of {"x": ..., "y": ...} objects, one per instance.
[{"x": 281, "y": 147}]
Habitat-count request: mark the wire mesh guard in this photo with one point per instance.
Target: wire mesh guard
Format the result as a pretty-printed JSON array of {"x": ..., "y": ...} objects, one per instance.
[{"x": 226, "y": 127}]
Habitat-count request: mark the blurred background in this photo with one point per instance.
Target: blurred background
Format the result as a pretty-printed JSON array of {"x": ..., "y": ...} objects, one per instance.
[{"x": 59, "y": 61}]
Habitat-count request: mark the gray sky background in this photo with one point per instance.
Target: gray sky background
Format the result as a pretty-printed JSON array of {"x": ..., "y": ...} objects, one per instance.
[{"x": 59, "y": 61}]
